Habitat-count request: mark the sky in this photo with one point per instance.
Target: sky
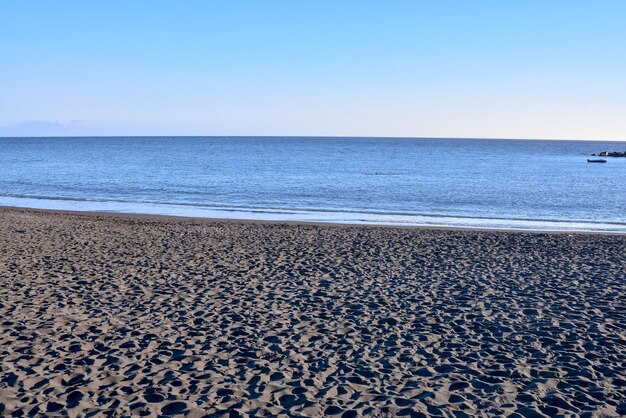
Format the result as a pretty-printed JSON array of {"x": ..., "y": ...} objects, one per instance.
[{"x": 493, "y": 69}]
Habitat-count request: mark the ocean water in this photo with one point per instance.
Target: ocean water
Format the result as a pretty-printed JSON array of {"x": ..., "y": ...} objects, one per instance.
[{"x": 544, "y": 185}]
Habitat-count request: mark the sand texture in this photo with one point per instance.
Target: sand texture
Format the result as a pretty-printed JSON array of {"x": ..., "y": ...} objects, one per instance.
[{"x": 112, "y": 315}]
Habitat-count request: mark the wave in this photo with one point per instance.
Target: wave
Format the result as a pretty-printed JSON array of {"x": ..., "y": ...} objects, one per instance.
[{"x": 329, "y": 215}]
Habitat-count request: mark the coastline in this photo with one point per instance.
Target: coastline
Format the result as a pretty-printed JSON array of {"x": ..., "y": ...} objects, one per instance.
[
  {"x": 173, "y": 217},
  {"x": 123, "y": 314}
]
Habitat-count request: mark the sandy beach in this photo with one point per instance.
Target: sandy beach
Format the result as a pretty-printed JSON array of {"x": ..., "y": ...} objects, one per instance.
[{"x": 132, "y": 315}]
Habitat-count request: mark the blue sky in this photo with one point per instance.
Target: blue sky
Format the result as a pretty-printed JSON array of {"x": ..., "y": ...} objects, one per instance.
[{"x": 509, "y": 69}]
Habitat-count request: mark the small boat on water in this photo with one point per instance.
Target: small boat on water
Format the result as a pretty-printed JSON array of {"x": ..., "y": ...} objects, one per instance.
[{"x": 597, "y": 160}]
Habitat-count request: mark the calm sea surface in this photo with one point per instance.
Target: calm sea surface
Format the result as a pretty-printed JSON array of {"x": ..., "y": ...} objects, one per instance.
[{"x": 455, "y": 182}]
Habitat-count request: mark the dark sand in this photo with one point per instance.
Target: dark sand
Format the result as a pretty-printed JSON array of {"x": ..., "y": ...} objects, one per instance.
[{"x": 122, "y": 315}]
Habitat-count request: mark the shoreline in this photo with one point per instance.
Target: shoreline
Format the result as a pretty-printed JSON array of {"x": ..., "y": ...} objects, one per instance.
[{"x": 184, "y": 218}]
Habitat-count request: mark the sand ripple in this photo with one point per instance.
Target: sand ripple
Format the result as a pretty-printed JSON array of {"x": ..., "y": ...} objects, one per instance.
[{"x": 144, "y": 316}]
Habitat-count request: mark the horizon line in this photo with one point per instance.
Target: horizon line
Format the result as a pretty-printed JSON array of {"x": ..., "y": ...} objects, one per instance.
[{"x": 312, "y": 136}]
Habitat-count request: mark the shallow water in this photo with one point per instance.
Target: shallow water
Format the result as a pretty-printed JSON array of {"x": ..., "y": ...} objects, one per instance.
[{"x": 448, "y": 182}]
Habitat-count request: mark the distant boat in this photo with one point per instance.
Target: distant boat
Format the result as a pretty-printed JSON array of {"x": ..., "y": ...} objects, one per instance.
[{"x": 599, "y": 160}]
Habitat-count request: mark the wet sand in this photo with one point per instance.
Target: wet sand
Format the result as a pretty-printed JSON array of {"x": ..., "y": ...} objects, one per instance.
[{"x": 132, "y": 315}]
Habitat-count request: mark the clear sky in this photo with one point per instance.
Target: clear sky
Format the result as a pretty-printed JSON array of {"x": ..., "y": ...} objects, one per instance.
[{"x": 510, "y": 69}]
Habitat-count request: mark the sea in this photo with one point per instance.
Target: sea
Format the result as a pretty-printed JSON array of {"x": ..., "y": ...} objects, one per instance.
[{"x": 466, "y": 183}]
